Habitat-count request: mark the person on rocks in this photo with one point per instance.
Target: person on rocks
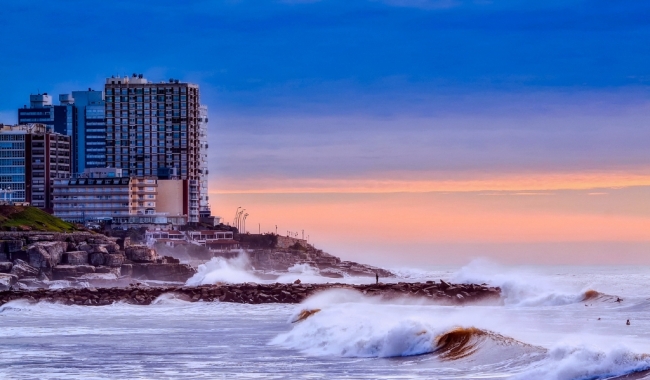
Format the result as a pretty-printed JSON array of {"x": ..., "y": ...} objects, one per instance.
[{"x": 377, "y": 278}]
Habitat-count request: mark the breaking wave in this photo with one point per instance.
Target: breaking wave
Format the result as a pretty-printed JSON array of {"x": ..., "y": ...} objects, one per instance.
[
  {"x": 568, "y": 362},
  {"x": 524, "y": 289},
  {"x": 222, "y": 270}
]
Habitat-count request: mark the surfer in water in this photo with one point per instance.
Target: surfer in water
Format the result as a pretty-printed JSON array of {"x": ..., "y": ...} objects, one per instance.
[{"x": 628, "y": 322}]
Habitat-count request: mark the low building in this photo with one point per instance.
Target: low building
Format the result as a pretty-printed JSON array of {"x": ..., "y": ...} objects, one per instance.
[
  {"x": 213, "y": 240},
  {"x": 102, "y": 194}
]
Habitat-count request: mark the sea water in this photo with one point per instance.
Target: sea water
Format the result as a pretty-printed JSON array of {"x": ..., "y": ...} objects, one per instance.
[{"x": 551, "y": 323}]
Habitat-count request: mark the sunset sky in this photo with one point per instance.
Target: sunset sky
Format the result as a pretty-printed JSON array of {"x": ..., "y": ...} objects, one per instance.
[{"x": 400, "y": 132}]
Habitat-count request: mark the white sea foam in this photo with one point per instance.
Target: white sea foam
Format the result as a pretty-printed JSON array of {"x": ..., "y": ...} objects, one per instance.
[
  {"x": 219, "y": 269},
  {"x": 568, "y": 362},
  {"x": 518, "y": 287}
]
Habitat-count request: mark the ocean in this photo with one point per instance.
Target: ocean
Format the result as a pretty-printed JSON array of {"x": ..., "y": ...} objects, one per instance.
[{"x": 552, "y": 323}]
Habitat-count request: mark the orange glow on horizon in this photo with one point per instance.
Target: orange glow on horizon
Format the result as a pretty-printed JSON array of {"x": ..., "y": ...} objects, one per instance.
[{"x": 520, "y": 183}]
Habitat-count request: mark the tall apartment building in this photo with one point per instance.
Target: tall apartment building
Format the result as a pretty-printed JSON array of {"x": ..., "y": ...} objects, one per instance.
[
  {"x": 155, "y": 128},
  {"x": 58, "y": 118},
  {"x": 31, "y": 158}
]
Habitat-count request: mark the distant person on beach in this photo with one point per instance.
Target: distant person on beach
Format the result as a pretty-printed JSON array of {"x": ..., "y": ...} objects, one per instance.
[{"x": 377, "y": 278}]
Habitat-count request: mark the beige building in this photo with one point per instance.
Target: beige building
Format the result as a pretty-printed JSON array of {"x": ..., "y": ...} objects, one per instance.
[{"x": 103, "y": 194}]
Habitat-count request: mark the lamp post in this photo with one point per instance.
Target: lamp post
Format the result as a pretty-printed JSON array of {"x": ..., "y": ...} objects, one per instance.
[
  {"x": 234, "y": 222},
  {"x": 245, "y": 216}
]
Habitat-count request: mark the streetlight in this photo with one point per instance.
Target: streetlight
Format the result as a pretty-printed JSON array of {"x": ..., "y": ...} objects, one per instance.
[
  {"x": 234, "y": 222},
  {"x": 245, "y": 216}
]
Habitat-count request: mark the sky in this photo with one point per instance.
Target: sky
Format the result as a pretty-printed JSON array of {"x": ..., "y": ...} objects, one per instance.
[{"x": 396, "y": 132}]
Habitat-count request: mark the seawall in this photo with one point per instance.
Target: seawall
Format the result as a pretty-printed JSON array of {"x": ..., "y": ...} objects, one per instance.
[{"x": 251, "y": 293}]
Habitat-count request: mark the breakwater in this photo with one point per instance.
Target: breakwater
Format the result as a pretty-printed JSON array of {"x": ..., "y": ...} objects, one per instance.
[{"x": 252, "y": 293}]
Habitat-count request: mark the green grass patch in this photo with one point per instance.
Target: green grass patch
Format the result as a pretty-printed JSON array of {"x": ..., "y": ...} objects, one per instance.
[{"x": 31, "y": 218}]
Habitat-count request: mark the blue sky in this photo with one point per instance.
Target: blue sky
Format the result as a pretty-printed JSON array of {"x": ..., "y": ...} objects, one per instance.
[{"x": 408, "y": 82}]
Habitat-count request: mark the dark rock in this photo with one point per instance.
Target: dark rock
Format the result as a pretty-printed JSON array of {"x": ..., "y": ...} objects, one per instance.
[
  {"x": 96, "y": 259},
  {"x": 83, "y": 269},
  {"x": 140, "y": 254},
  {"x": 85, "y": 247},
  {"x": 75, "y": 258},
  {"x": 5, "y": 266},
  {"x": 297, "y": 281},
  {"x": 114, "y": 259},
  {"x": 22, "y": 269},
  {"x": 61, "y": 272},
  {"x": 11, "y": 246},
  {"x": 100, "y": 249}
]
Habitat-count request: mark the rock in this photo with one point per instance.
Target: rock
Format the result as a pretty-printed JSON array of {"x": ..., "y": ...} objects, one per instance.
[
  {"x": 85, "y": 269},
  {"x": 100, "y": 249},
  {"x": 22, "y": 269},
  {"x": 297, "y": 281},
  {"x": 5, "y": 266},
  {"x": 75, "y": 258},
  {"x": 11, "y": 246},
  {"x": 114, "y": 259},
  {"x": 39, "y": 258},
  {"x": 112, "y": 248},
  {"x": 46, "y": 254},
  {"x": 85, "y": 247},
  {"x": 62, "y": 272},
  {"x": 163, "y": 272},
  {"x": 72, "y": 246},
  {"x": 7, "y": 280},
  {"x": 96, "y": 259},
  {"x": 140, "y": 254}
]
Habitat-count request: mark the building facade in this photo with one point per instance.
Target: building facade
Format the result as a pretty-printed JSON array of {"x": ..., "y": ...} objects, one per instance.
[
  {"x": 89, "y": 132},
  {"x": 103, "y": 194},
  {"x": 154, "y": 128},
  {"x": 50, "y": 160},
  {"x": 31, "y": 158}
]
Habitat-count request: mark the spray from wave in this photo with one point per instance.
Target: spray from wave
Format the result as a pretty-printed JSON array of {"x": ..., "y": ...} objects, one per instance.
[
  {"x": 222, "y": 270},
  {"x": 522, "y": 288}
]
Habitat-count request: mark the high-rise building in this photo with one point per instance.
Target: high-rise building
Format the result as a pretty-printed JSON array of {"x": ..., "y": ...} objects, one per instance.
[
  {"x": 59, "y": 119},
  {"x": 154, "y": 129},
  {"x": 89, "y": 133},
  {"x": 31, "y": 158}
]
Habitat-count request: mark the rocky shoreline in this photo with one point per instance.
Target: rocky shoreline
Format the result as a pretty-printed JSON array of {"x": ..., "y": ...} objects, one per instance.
[{"x": 251, "y": 293}]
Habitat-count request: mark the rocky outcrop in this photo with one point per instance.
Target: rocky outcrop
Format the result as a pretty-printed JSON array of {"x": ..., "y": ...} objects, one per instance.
[
  {"x": 37, "y": 257},
  {"x": 256, "y": 293},
  {"x": 329, "y": 265}
]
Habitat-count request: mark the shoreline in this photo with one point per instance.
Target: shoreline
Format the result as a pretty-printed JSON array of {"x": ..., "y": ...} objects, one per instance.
[{"x": 252, "y": 293}]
